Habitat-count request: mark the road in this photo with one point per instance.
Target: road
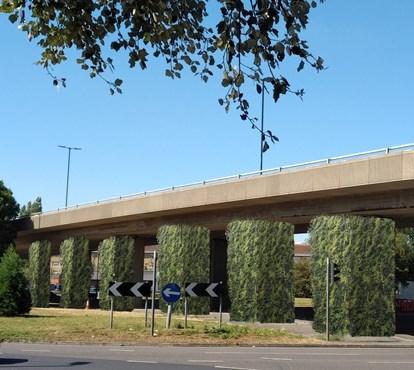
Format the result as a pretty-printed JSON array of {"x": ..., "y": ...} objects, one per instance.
[{"x": 108, "y": 357}]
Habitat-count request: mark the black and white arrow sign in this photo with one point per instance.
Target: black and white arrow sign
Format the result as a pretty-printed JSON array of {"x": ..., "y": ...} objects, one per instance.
[
  {"x": 203, "y": 290},
  {"x": 126, "y": 289}
]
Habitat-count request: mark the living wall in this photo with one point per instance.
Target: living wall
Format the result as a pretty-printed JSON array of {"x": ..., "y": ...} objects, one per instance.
[
  {"x": 260, "y": 270},
  {"x": 76, "y": 272},
  {"x": 116, "y": 263},
  {"x": 185, "y": 257},
  {"x": 39, "y": 273},
  {"x": 362, "y": 302}
]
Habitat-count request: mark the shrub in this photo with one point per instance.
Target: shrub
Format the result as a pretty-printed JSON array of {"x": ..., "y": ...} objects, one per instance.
[
  {"x": 14, "y": 288},
  {"x": 116, "y": 263},
  {"x": 76, "y": 272},
  {"x": 362, "y": 302},
  {"x": 302, "y": 278},
  {"x": 260, "y": 264},
  {"x": 39, "y": 272},
  {"x": 185, "y": 257}
]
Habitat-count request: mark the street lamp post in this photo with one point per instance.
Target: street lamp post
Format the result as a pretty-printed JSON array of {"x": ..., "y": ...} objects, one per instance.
[{"x": 69, "y": 148}]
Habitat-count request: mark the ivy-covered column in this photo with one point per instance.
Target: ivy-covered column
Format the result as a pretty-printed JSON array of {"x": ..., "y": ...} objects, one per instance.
[
  {"x": 260, "y": 270},
  {"x": 362, "y": 301},
  {"x": 185, "y": 257},
  {"x": 76, "y": 272},
  {"x": 39, "y": 273},
  {"x": 116, "y": 263}
]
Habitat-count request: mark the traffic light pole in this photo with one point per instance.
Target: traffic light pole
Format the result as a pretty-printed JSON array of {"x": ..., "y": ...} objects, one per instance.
[{"x": 328, "y": 278}]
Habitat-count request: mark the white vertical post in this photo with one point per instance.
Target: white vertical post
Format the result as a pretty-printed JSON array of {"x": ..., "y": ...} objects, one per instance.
[{"x": 185, "y": 311}]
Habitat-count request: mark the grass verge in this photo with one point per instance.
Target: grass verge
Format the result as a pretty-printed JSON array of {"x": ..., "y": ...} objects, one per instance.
[{"x": 92, "y": 326}]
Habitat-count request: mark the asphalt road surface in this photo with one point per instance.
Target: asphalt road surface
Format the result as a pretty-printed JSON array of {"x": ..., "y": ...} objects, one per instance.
[{"x": 80, "y": 357}]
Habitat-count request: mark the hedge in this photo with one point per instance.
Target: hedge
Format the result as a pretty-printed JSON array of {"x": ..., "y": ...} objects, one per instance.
[
  {"x": 362, "y": 302},
  {"x": 76, "y": 272},
  {"x": 260, "y": 270},
  {"x": 185, "y": 257},
  {"x": 39, "y": 273},
  {"x": 116, "y": 263}
]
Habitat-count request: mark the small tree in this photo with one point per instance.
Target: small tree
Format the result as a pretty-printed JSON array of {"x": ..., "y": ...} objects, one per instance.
[
  {"x": 302, "y": 279},
  {"x": 14, "y": 288}
]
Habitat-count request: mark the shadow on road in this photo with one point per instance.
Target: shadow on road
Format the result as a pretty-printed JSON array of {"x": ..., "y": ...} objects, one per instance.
[{"x": 6, "y": 362}]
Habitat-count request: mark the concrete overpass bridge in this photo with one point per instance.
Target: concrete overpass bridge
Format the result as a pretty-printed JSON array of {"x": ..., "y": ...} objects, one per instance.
[{"x": 377, "y": 183}]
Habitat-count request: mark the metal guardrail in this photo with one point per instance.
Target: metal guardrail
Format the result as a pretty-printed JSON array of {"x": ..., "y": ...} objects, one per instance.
[{"x": 292, "y": 167}]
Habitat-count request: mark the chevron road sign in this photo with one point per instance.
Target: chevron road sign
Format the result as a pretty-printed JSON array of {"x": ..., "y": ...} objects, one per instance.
[
  {"x": 140, "y": 289},
  {"x": 213, "y": 290}
]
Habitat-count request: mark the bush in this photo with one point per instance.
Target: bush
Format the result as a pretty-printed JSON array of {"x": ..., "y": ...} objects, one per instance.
[
  {"x": 184, "y": 258},
  {"x": 260, "y": 276},
  {"x": 76, "y": 272},
  {"x": 39, "y": 273},
  {"x": 302, "y": 278},
  {"x": 14, "y": 288},
  {"x": 116, "y": 263},
  {"x": 362, "y": 302}
]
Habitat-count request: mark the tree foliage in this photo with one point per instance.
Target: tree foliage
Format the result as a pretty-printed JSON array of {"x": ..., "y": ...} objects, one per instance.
[
  {"x": 14, "y": 287},
  {"x": 39, "y": 272},
  {"x": 260, "y": 270},
  {"x": 185, "y": 258},
  {"x": 30, "y": 208},
  {"x": 302, "y": 278},
  {"x": 362, "y": 302},
  {"x": 9, "y": 210},
  {"x": 76, "y": 272},
  {"x": 116, "y": 263},
  {"x": 243, "y": 40}
]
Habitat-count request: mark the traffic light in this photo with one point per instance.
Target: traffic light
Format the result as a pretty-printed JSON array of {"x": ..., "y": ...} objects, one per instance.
[{"x": 335, "y": 272}]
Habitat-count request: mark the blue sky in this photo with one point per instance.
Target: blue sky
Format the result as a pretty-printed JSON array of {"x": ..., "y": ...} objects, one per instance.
[{"x": 161, "y": 132}]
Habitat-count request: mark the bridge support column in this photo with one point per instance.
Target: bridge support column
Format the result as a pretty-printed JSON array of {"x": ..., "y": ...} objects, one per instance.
[{"x": 218, "y": 270}]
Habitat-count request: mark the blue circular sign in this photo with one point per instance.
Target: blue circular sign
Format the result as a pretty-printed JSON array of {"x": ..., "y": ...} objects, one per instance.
[{"x": 171, "y": 293}]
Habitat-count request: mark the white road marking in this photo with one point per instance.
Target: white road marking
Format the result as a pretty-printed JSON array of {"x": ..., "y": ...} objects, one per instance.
[
  {"x": 143, "y": 361},
  {"x": 276, "y": 358},
  {"x": 234, "y": 368},
  {"x": 121, "y": 350},
  {"x": 35, "y": 350},
  {"x": 205, "y": 361},
  {"x": 391, "y": 362},
  {"x": 284, "y": 353}
]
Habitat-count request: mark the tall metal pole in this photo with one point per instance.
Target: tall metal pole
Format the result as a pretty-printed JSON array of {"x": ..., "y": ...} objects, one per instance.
[
  {"x": 328, "y": 278},
  {"x": 67, "y": 178},
  {"x": 69, "y": 148},
  {"x": 154, "y": 285},
  {"x": 261, "y": 129}
]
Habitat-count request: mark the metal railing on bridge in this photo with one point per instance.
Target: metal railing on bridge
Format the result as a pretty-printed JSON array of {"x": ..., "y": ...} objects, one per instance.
[{"x": 292, "y": 167}]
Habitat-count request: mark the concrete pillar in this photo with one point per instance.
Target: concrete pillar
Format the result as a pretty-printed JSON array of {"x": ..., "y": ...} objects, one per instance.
[
  {"x": 218, "y": 270},
  {"x": 139, "y": 264}
]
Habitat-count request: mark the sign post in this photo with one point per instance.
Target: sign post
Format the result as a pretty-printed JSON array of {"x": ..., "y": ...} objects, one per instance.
[
  {"x": 140, "y": 289},
  {"x": 146, "y": 312},
  {"x": 154, "y": 285},
  {"x": 111, "y": 314},
  {"x": 213, "y": 290},
  {"x": 170, "y": 293}
]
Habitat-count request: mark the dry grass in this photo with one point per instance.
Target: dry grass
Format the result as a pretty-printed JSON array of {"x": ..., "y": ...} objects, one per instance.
[
  {"x": 303, "y": 302},
  {"x": 92, "y": 326}
]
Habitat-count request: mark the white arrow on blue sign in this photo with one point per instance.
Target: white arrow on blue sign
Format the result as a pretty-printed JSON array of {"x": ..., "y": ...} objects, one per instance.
[{"x": 171, "y": 293}]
